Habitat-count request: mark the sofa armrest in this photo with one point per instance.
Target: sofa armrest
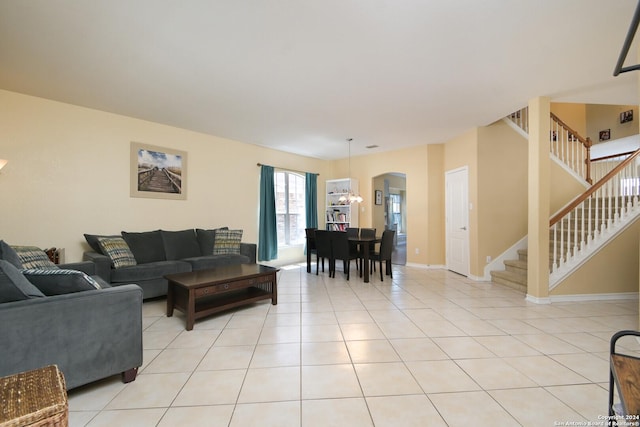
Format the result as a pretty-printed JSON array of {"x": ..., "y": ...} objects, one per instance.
[
  {"x": 86, "y": 267},
  {"x": 90, "y": 335},
  {"x": 250, "y": 250},
  {"x": 102, "y": 263}
]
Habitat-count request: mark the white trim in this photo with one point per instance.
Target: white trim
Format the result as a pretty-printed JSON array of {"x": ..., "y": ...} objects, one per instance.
[
  {"x": 595, "y": 297},
  {"x": 425, "y": 266},
  {"x": 517, "y": 128},
  {"x": 536, "y": 300},
  {"x": 570, "y": 171}
]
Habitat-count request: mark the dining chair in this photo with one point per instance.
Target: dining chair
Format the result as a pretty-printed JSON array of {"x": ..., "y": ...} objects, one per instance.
[
  {"x": 311, "y": 247},
  {"x": 386, "y": 249},
  {"x": 341, "y": 249},
  {"x": 367, "y": 233},
  {"x": 354, "y": 232},
  {"x": 323, "y": 248}
]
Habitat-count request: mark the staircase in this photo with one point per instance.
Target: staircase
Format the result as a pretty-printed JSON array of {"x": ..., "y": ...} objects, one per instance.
[
  {"x": 515, "y": 273},
  {"x": 585, "y": 225}
]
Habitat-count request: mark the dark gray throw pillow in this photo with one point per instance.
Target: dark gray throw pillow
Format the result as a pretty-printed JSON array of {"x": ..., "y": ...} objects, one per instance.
[
  {"x": 206, "y": 239},
  {"x": 94, "y": 241},
  {"x": 60, "y": 281},
  {"x": 14, "y": 286},
  {"x": 180, "y": 244},
  {"x": 7, "y": 253},
  {"x": 146, "y": 246}
]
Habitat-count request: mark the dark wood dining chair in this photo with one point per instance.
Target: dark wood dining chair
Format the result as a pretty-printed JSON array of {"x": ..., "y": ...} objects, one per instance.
[
  {"x": 386, "y": 249},
  {"x": 354, "y": 232},
  {"x": 323, "y": 248},
  {"x": 310, "y": 234},
  {"x": 367, "y": 233},
  {"x": 342, "y": 250}
]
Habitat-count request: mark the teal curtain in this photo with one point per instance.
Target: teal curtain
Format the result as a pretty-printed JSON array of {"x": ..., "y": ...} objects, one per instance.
[
  {"x": 311, "y": 202},
  {"x": 268, "y": 232},
  {"x": 311, "y": 199}
]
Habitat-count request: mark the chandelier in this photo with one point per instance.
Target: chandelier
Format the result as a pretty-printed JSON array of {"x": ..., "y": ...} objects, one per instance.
[{"x": 350, "y": 197}]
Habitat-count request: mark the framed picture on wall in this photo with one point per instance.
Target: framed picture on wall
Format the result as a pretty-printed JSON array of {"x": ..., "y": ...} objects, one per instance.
[
  {"x": 378, "y": 197},
  {"x": 626, "y": 116},
  {"x": 158, "y": 172},
  {"x": 605, "y": 135}
]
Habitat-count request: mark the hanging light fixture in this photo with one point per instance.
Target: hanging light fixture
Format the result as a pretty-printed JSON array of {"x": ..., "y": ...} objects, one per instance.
[{"x": 351, "y": 197}]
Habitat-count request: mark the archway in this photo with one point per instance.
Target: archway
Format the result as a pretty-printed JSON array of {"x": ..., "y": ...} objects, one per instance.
[{"x": 389, "y": 210}]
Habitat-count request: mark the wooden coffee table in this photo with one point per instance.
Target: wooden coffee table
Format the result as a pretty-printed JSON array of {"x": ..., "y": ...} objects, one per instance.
[{"x": 202, "y": 293}]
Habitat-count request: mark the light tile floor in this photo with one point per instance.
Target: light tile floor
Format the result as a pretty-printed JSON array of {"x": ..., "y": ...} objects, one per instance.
[{"x": 428, "y": 348}]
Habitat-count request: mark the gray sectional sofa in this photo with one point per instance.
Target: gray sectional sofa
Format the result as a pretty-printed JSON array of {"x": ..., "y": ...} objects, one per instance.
[
  {"x": 57, "y": 315},
  {"x": 154, "y": 254}
]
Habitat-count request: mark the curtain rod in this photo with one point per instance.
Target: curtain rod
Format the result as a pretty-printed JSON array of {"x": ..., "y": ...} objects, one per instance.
[{"x": 287, "y": 169}]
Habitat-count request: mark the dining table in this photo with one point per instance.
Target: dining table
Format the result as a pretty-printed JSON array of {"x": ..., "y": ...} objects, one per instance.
[{"x": 364, "y": 243}]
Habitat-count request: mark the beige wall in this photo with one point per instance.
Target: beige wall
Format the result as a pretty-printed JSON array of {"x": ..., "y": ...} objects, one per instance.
[
  {"x": 463, "y": 152},
  {"x": 502, "y": 191},
  {"x": 423, "y": 204},
  {"x": 601, "y": 117},
  {"x": 612, "y": 270},
  {"x": 574, "y": 115},
  {"x": 68, "y": 174}
]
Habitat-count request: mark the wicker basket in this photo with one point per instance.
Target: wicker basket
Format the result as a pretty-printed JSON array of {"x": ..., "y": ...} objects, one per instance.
[{"x": 34, "y": 398}]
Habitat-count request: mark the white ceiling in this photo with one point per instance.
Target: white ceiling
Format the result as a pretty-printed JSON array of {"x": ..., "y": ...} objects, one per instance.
[{"x": 302, "y": 75}]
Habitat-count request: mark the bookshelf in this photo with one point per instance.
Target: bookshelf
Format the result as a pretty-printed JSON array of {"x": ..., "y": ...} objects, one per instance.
[{"x": 341, "y": 215}]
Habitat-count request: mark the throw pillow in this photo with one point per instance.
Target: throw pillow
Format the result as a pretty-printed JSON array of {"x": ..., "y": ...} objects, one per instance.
[
  {"x": 117, "y": 250},
  {"x": 146, "y": 246},
  {"x": 206, "y": 239},
  {"x": 7, "y": 253},
  {"x": 227, "y": 242},
  {"x": 33, "y": 257},
  {"x": 14, "y": 286},
  {"x": 60, "y": 281},
  {"x": 92, "y": 240},
  {"x": 180, "y": 244}
]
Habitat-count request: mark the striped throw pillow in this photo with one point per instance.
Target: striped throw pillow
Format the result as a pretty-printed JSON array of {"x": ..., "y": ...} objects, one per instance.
[
  {"x": 227, "y": 242},
  {"x": 118, "y": 251}
]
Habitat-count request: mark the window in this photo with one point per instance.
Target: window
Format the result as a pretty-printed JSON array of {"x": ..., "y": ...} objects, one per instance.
[{"x": 290, "y": 208}]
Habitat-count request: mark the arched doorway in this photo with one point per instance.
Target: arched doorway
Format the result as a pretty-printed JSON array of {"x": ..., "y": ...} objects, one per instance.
[{"x": 390, "y": 210}]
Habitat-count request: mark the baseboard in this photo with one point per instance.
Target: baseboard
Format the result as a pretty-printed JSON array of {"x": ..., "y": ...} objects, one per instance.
[
  {"x": 425, "y": 266},
  {"x": 536, "y": 300},
  {"x": 595, "y": 297}
]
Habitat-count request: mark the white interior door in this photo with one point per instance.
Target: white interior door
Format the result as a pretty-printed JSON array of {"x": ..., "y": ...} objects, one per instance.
[{"x": 457, "y": 219}]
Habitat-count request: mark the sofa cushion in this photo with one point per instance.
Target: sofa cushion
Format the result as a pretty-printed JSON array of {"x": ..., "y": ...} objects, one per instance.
[
  {"x": 33, "y": 257},
  {"x": 227, "y": 242},
  {"x": 117, "y": 250},
  {"x": 206, "y": 239},
  {"x": 180, "y": 244},
  {"x": 92, "y": 240},
  {"x": 7, "y": 253},
  {"x": 150, "y": 270},
  {"x": 60, "y": 281},
  {"x": 213, "y": 261},
  {"x": 14, "y": 286},
  {"x": 146, "y": 246}
]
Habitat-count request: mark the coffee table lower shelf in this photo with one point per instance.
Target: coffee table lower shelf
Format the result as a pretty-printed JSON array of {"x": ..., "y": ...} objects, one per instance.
[{"x": 201, "y": 294}]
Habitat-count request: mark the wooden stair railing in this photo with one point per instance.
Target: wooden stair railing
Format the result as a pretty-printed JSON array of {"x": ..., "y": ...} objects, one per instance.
[
  {"x": 566, "y": 144},
  {"x": 603, "y": 205},
  {"x": 571, "y": 148}
]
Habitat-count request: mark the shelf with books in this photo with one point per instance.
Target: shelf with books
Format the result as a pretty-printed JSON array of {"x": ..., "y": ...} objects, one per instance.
[{"x": 340, "y": 214}]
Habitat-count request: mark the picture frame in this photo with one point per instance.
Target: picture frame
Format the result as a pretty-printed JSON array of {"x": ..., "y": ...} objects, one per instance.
[
  {"x": 157, "y": 172},
  {"x": 605, "y": 135},
  {"x": 378, "y": 199},
  {"x": 626, "y": 116}
]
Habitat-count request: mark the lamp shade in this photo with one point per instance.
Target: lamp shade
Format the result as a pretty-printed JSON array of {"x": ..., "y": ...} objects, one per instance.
[{"x": 3, "y": 162}]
